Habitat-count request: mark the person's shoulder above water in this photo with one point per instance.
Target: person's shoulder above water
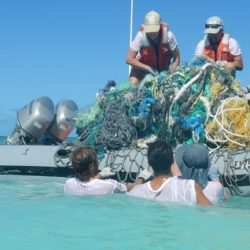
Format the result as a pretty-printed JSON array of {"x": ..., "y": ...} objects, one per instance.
[
  {"x": 214, "y": 191},
  {"x": 69, "y": 184},
  {"x": 93, "y": 187},
  {"x": 139, "y": 190},
  {"x": 171, "y": 189}
]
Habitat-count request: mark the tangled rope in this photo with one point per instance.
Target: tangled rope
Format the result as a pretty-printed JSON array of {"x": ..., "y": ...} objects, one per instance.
[
  {"x": 117, "y": 130},
  {"x": 230, "y": 125},
  {"x": 190, "y": 105},
  {"x": 199, "y": 102}
]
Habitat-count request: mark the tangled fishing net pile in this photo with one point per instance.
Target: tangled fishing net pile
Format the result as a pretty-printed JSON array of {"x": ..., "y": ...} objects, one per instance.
[{"x": 199, "y": 102}]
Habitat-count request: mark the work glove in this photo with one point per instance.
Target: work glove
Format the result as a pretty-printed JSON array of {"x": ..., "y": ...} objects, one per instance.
[
  {"x": 145, "y": 175},
  {"x": 153, "y": 72},
  {"x": 106, "y": 172}
]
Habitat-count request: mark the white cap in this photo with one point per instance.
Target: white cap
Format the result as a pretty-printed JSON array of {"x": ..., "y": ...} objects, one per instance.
[
  {"x": 213, "y": 25},
  {"x": 152, "y": 22}
]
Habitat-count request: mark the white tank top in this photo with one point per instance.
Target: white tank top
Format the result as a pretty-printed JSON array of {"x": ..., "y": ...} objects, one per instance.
[
  {"x": 214, "y": 191},
  {"x": 94, "y": 187},
  {"x": 173, "y": 189}
]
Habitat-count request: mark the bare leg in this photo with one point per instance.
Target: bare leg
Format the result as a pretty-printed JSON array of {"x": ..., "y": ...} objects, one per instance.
[{"x": 136, "y": 75}]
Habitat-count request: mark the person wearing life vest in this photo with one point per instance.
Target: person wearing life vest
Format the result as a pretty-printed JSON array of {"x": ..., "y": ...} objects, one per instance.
[
  {"x": 153, "y": 50},
  {"x": 220, "y": 46}
]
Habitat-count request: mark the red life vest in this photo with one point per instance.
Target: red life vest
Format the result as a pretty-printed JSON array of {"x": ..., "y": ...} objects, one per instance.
[
  {"x": 222, "y": 53},
  {"x": 161, "y": 59}
]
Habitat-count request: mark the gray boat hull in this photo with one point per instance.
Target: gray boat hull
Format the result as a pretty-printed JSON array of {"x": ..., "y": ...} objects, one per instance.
[{"x": 32, "y": 160}]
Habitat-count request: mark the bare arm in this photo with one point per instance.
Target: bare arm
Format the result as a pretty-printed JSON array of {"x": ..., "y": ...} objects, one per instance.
[
  {"x": 128, "y": 186},
  {"x": 237, "y": 64},
  {"x": 135, "y": 183},
  {"x": 134, "y": 62},
  {"x": 201, "y": 198},
  {"x": 176, "y": 56}
]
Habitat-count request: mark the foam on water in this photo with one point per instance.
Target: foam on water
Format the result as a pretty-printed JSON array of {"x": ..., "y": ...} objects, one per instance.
[{"x": 35, "y": 214}]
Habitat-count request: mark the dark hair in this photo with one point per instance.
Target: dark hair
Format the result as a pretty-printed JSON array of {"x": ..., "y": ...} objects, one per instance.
[
  {"x": 160, "y": 157},
  {"x": 85, "y": 162}
]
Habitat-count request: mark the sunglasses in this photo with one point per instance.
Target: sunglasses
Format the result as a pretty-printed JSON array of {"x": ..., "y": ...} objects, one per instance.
[{"x": 213, "y": 26}]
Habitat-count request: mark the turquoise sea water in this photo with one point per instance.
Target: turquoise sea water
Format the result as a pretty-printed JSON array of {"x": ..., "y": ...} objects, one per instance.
[
  {"x": 2, "y": 139},
  {"x": 35, "y": 214}
]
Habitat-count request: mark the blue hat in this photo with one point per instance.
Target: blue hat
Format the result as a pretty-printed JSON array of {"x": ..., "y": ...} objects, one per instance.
[{"x": 194, "y": 162}]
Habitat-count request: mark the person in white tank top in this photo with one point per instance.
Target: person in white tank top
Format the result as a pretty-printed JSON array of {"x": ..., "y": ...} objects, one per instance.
[
  {"x": 194, "y": 163},
  {"x": 165, "y": 187},
  {"x": 89, "y": 182}
]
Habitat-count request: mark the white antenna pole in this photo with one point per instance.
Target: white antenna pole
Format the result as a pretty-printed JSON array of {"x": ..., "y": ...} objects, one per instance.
[{"x": 131, "y": 27}]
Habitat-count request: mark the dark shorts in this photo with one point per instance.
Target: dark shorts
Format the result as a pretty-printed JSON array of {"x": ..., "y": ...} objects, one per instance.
[{"x": 137, "y": 73}]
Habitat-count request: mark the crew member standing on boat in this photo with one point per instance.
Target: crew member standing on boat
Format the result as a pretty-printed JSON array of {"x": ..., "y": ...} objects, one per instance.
[
  {"x": 220, "y": 46},
  {"x": 153, "y": 49}
]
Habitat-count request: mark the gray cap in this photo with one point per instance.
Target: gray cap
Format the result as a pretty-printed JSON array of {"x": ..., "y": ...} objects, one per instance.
[
  {"x": 194, "y": 163},
  {"x": 213, "y": 25}
]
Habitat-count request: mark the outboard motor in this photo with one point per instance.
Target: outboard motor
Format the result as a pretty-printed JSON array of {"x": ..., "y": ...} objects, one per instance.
[
  {"x": 62, "y": 124},
  {"x": 32, "y": 121}
]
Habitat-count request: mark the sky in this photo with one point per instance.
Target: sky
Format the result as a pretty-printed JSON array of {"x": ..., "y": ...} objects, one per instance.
[{"x": 69, "y": 49}]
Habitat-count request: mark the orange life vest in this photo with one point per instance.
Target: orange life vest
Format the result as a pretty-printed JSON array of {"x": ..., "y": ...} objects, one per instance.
[
  {"x": 222, "y": 53},
  {"x": 161, "y": 59}
]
